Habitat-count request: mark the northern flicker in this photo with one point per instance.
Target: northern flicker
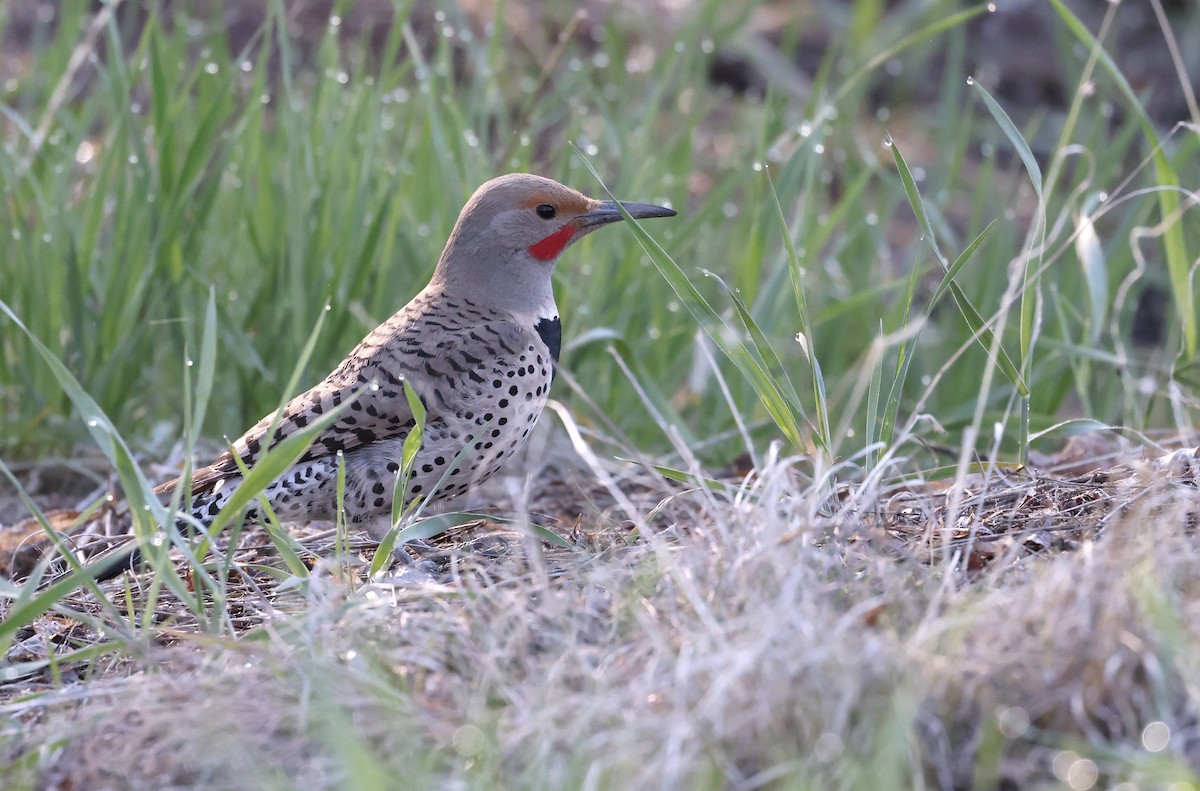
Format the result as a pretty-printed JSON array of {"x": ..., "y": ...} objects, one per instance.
[{"x": 478, "y": 345}]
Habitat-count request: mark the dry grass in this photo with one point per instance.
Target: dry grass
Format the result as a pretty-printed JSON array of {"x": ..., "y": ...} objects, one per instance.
[{"x": 756, "y": 637}]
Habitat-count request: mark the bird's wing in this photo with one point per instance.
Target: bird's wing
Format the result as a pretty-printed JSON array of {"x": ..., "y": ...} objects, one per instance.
[{"x": 440, "y": 353}]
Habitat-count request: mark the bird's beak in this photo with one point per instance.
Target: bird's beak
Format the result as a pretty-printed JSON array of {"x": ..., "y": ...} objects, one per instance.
[{"x": 607, "y": 212}]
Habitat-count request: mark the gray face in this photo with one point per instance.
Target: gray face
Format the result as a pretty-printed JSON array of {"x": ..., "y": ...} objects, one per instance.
[{"x": 510, "y": 235}]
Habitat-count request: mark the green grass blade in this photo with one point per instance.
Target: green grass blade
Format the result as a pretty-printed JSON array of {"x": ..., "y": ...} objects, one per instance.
[
  {"x": 1166, "y": 178},
  {"x": 797, "y": 276},
  {"x": 716, "y": 328},
  {"x": 1032, "y": 263},
  {"x": 1092, "y": 261},
  {"x": 207, "y": 365},
  {"x": 1014, "y": 136},
  {"x": 984, "y": 336},
  {"x": 273, "y": 464}
]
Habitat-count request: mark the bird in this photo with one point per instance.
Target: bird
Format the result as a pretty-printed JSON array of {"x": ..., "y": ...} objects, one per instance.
[{"x": 478, "y": 345}]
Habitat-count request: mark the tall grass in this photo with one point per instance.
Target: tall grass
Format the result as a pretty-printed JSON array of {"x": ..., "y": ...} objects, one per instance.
[{"x": 289, "y": 180}]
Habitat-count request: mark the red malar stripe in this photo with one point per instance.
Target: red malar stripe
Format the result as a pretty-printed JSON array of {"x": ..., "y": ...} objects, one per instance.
[{"x": 549, "y": 248}]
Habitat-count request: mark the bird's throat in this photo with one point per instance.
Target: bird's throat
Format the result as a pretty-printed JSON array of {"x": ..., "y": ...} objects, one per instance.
[{"x": 552, "y": 246}]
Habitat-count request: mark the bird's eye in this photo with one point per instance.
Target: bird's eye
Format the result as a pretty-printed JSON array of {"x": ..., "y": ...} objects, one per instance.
[{"x": 545, "y": 211}]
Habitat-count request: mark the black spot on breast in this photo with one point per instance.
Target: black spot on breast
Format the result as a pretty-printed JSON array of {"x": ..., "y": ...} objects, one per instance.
[{"x": 550, "y": 331}]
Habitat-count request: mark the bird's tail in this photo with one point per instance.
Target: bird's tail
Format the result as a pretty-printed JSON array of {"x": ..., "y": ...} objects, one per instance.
[{"x": 120, "y": 559}]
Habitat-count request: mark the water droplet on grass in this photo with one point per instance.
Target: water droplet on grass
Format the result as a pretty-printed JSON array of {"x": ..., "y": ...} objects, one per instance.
[
  {"x": 1156, "y": 736},
  {"x": 827, "y": 747}
]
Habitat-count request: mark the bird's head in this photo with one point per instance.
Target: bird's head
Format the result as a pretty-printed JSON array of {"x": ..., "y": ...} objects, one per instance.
[{"x": 513, "y": 229}]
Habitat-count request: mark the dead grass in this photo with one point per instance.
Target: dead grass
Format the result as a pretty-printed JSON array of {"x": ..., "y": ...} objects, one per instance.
[{"x": 755, "y": 637}]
